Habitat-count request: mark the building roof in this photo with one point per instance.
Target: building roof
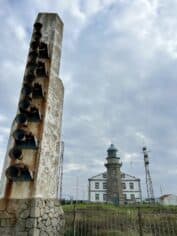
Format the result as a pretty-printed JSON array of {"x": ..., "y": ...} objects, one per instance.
[
  {"x": 166, "y": 195},
  {"x": 112, "y": 148},
  {"x": 97, "y": 176},
  {"x": 126, "y": 176},
  {"x": 129, "y": 176}
]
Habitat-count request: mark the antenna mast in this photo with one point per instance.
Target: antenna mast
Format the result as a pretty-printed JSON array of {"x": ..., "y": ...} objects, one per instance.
[{"x": 149, "y": 186}]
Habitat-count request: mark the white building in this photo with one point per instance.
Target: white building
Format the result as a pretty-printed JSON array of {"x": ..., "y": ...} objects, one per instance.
[
  {"x": 168, "y": 199},
  {"x": 130, "y": 185}
]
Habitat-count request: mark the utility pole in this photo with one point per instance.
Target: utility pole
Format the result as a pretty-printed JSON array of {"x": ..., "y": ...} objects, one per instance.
[{"x": 77, "y": 188}]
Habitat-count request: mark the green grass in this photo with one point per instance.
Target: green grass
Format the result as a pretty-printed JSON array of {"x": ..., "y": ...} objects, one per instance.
[
  {"x": 125, "y": 208},
  {"x": 120, "y": 220},
  {"x": 89, "y": 206}
]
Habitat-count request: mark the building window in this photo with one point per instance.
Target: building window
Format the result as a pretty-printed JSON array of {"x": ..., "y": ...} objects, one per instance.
[
  {"x": 97, "y": 185},
  {"x": 123, "y": 175},
  {"x": 131, "y": 185},
  {"x": 104, "y": 175},
  {"x": 123, "y": 186},
  {"x": 113, "y": 172},
  {"x": 104, "y": 185},
  {"x": 97, "y": 196},
  {"x": 132, "y": 196},
  {"x": 104, "y": 197},
  {"x": 125, "y": 196}
]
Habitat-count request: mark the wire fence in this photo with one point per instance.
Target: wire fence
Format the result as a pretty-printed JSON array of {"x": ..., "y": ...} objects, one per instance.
[{"x": 123, "y": 221}]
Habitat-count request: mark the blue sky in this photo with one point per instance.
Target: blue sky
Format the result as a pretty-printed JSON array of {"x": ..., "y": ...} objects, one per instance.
[{"x": 119, "y": 70}]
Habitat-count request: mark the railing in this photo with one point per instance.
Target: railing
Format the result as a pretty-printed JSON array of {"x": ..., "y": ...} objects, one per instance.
[{"x": 124, "y": 221}]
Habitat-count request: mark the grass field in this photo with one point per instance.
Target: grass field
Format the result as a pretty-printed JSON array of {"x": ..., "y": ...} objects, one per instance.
[{"x": 106, "y": 219}]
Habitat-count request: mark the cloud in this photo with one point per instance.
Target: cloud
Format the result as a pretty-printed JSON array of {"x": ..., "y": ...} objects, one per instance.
[
  {"x": 119, "y": 71},
  {"x": 141, "y": 138},
  {"x": 131, "y": 157},
  {"x": 3, "y": 118},
  {"x": 123, "y": 88},
  {"x": 74, "y": 167}
]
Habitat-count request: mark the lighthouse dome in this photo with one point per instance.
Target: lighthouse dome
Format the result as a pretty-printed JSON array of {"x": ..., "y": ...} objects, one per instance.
[
  {"x": 112, "y": 148},
  {"x": 112, "y": 151}
]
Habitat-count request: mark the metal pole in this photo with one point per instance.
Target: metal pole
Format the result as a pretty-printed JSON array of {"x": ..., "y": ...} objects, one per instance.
[
  {"x": 140, "y": 222},
  {"x": 74, "y": 220}
]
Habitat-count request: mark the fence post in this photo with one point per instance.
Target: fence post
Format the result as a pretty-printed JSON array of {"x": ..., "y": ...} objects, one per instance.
[
  {"x": 140, "y": 222},
  {"x": 74, "y": 220}
]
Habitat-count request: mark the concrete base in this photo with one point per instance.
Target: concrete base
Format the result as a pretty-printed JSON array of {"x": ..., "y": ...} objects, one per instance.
[{"x": 31, "y": 217}]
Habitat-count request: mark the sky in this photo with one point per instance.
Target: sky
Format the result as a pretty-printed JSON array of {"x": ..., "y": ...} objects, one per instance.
[{"x": 119, "y": 69}]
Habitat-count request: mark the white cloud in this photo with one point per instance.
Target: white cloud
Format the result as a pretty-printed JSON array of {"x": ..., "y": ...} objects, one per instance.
[
  {"x": 3, "y": 118},
  {"x": 92, "y": 7},
  {"x": 17, "y": 29},
  {"x": 98, "y": 162},
  {"x": 4, "y": 130},
  {"x": 68, "y": 83},
  {"x": 74, "y": 167},
  {"x": 131, "y": 157},
  {"x": 138, "y": 24},
  {"x": 142, "y": 139}
]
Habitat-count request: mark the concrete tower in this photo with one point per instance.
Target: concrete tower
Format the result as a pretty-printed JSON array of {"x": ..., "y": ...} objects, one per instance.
[
  {"x": 30, "y": 173},
  {"x": 114, "y": 185}
]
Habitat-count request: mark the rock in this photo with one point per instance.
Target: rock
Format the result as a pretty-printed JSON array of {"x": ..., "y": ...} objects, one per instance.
[
  {"x": 40, "y": 225},
  {"x": 50, "y": 203},
  {"x": 22, "y": 234},
  {"x": 20, "y": 226},
  {"x": 54, "y": 221},
  {"x": 45, "y": 216},
  {"x": 24, "y": 214},
  {"x": 52, "y": 210},
  {"x": 30, "y": 223},
  {"x": 43, "y": 233},
  {"x": 56, "y": 215},
  {"x": 47, "y": 223},
  {"x": 6, "y": 232},
  {"x": 24, "y": 205},
  {"x": 35, "y": 212},
  {"x": 47, "y": 209},
  {"x": 57, "y": 203},
  {"x": 34, "y": 232},
  {"x": 39, "y": 219},
  {"x": 42, "y": 211},
  {"x": 51, "y": 234},
  {"x": 51, "y": 215},
  {"x": 39, "y": 203}
]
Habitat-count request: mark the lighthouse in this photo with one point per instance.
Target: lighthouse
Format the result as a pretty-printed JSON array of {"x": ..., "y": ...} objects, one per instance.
[{"x": 114, "y": 184}]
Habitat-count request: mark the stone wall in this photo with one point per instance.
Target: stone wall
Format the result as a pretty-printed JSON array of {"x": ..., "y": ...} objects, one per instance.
[{"x": 31, "y": 217}]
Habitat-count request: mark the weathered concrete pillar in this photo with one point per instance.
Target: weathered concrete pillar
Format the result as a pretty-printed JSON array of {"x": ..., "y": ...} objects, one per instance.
[
  {"x": 114, "y": 183},
  {"x": 30, "y": 174}
]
